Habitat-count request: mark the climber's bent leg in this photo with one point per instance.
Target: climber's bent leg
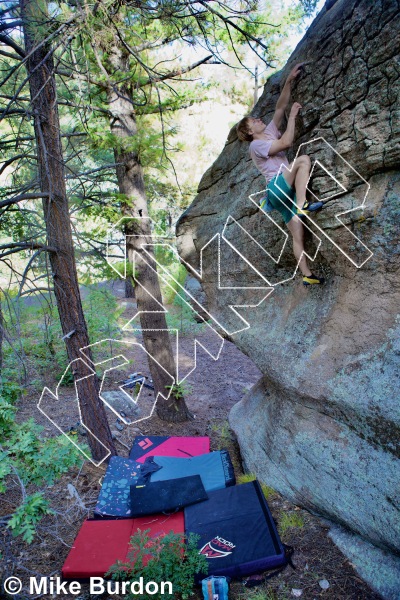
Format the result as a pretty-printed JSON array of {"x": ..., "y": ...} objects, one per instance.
[{"x": 298, "y": 177}]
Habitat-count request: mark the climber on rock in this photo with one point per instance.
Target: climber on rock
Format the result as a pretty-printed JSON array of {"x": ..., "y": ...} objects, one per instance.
[{"x": 286, "y": 192}]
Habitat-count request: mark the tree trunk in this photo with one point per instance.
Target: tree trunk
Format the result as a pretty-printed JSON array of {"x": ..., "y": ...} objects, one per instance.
[
  {"x": 40, "y": 67},
  {"x": 1, "y": 341},
  {"x": 131, "y": 184},
  {"x": 129, "y": 287}
]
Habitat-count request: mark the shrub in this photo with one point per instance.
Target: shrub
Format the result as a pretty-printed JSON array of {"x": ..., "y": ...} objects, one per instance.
[{"x": 169, "y": 558}]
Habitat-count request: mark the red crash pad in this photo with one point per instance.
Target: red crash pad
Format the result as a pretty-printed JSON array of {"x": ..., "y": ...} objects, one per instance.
[{"x": 99, "y": 544}]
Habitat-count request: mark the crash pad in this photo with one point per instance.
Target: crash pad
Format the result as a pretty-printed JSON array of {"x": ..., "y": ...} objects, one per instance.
[
  {"x": 149, "y": 498},
  {"x": 99, "y": 544},
  {"x": 215, "y": 469},
  {"x": 180, "y": 447},
  {"x": 237, "y": 532},
  {"x": 114, "y": 496}
]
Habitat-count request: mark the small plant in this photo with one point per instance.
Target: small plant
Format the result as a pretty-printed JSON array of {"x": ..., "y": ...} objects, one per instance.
[
  {"x": 180, "y": 390},
  {"x": 289, "y": 520},
  {"x": 167, "y": 558},
  {"x": 224, "y": 433}
]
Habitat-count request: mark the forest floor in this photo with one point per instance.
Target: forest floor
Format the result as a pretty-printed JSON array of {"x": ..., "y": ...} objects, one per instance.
[{"x": 215, "y": 386}]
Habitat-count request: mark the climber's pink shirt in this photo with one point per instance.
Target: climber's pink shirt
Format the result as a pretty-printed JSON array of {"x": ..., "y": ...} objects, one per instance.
[{"x": 259, "y": 152}]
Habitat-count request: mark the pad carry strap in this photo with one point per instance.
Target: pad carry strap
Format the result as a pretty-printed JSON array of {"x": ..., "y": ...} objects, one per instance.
[{"x": 257, "y": 580}]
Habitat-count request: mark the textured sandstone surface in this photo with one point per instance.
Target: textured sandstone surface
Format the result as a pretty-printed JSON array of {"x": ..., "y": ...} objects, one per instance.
[{"x": 322, "y": 426}]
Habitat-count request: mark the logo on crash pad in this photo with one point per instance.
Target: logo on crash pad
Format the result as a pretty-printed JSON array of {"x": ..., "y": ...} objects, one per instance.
[
  {"x": 217, "y": 548},
  {"x": 144, "y": 444}
]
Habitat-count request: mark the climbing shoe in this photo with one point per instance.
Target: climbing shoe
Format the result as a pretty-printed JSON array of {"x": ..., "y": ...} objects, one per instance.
[
  {"x": 312, "y": 280},
  {"x": 309, "y": 207}
]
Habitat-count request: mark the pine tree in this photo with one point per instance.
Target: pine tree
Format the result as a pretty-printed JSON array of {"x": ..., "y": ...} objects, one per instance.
[{"x": 40, "y": 69}]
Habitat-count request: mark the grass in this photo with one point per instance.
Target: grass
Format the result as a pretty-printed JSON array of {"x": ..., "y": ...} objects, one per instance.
[
  {"x": 290, "y": 520},
  {"x": 268, "y": 492},
  {"x": 261, "y": 594},
  {"x": 264, "y": 595},
  {"x": 224, "y": 434}
]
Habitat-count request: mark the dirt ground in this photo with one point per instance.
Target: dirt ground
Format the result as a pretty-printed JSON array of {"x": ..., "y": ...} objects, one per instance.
[{"x": 214, "y": 387}]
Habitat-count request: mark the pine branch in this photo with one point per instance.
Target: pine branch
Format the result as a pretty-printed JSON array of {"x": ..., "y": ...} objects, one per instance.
[
  {"x": 9, "y": 55},
  {"x": 5, "y": 39},
  {"x": 18, "y": 247},
  {"x": 36, "y": 289},
  {"x": 11, "y": 25},
  {"x": 228, "y": 21},
  {"x": 4, "y": 11},
  {"x": 21, "y": 197},
  {"x": 14, "y": 158},
  {"x": 177, "y": 72},
  {"x": 104, "y": 111},
  {"x": 80, "y": 77}
]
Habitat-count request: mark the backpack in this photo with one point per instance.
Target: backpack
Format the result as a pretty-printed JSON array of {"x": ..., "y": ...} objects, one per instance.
[{"x": 215, "y": 588}]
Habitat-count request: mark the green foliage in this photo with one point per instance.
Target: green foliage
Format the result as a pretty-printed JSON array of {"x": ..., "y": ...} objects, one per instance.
[
  {"x": 34, "y": 461},
  {"x": 28, "y": 514},
  {"x": 289, "y": 520},
  {"x": 308, "y": 6},
  {"x": 268, "y": 491},
  {"x": 167, "y": 257},
  {"x": 179, "y": 274},
  {"x": 41, "y": 335},
  {"x": 180, "y": 390},
  {"x": 167, "y": 558},
  {"x": 38, "y": 336},
  {"x": 38, "y": 461},
  {"x": 110, "y": 274},
  {"x": 101, "y": 312},
  {"x": 10, "y": 392},
  {"x": 181, "y": 317}
]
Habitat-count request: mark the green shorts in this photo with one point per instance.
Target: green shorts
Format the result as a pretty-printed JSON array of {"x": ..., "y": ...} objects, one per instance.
[{"x": 276, "y": 189}]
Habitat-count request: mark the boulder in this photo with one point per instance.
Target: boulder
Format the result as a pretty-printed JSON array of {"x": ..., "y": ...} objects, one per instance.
[
  {"x": 322, "y": 426},
  {"x": 122, "y": 404}
]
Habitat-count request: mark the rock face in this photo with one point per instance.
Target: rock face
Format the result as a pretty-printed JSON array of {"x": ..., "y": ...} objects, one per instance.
[{"x": 323, "y": 424}]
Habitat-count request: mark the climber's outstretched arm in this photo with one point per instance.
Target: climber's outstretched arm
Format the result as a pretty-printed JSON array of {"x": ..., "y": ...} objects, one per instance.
[
  {"x": 284, "y": 98},
  {"x": 286, "y": 140}
]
